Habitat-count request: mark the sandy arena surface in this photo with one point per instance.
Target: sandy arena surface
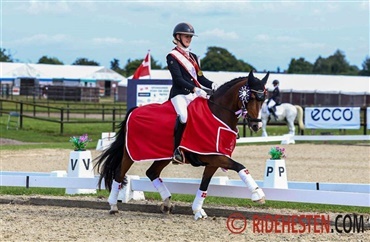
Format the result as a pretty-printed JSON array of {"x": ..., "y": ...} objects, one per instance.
[{"x": 304, "y": 162}]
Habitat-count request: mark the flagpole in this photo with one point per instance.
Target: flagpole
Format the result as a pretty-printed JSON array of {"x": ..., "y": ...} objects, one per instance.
[{"x": 150, "y": 65}]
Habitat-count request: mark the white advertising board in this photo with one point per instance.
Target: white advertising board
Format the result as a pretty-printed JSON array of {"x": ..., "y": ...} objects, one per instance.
[
  {"x": 150, "y": 93},
  {"x": 332, "y": 118}
]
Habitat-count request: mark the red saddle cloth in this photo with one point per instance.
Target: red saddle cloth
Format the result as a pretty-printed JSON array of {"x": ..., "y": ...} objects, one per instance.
[
  {"x": 150, "y": 131},
  {"x": 205, "y": 133}
]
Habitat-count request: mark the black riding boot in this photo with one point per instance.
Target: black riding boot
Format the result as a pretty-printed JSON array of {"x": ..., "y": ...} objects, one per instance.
[
  {"x": 179, "y": 130},
  {"x": 272, "y": 111}
]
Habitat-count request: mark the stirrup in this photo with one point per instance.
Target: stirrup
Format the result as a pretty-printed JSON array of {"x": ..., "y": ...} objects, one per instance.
[{"x": 178, "y": 157}]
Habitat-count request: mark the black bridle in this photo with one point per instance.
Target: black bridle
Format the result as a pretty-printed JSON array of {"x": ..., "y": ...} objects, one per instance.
[{"x": 244, "y": 97}]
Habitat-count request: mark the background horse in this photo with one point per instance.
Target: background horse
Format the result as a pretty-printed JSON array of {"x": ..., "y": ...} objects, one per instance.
[
  {"x": 285, "y": 112},
  {"x": 241, "y": 97}
]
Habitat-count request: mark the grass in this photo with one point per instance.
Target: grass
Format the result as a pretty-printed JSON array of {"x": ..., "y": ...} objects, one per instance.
[{"x": 43, "y": 134}]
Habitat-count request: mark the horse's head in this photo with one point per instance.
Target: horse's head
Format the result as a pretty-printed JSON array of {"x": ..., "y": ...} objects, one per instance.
[
  {"x": 241, "y": 97},
  {"x": 257, "y": 95}
]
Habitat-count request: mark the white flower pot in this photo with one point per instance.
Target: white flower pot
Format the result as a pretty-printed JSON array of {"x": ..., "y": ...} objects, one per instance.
[
  {"x": 80, "y": 165},
  {"x": 275, "y": 174}
]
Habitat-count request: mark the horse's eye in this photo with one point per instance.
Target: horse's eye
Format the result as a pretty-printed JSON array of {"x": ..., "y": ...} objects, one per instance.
[{"x": 259, "y": 96}]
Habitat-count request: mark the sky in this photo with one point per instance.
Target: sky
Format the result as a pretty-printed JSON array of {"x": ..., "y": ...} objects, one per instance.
[{"x": 265, "y": 34}]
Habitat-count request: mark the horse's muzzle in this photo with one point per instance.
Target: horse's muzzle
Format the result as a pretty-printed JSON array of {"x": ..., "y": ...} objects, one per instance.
[
  {"x": 255, "y": 127},
  {"x": 254, "y": 124}
]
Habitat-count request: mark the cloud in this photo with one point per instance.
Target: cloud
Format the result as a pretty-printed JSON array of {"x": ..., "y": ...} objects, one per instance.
[
  {"x": 220, "y": 34},
  {"x": 37, "y": 7},
  {"x": 287, "y": 39},
  {"x": 312, "y": 46},
  {"x": 263, "y": 37},
  {"x": 42, "y": 39},
  {"x": 276, "y": 39},
  {"x": 107, "y": 40}
]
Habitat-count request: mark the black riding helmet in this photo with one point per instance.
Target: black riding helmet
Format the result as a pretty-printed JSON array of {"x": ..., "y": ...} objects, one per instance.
[
  {"x": 275, "y": 82},
  {"x": 182, "y": 28}
]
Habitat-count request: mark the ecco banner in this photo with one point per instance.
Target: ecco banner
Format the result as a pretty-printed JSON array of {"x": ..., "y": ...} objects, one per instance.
[
  {"x": 332, "y": 118},
  {"x": 368, "y": 117}
]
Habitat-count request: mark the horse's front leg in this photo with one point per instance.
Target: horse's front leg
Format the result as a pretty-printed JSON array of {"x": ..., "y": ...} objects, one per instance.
[
  {"x": 202, "y": 193},
  {"x": 257, "y": 194},
  {"x": 264, "y": 124},
  {"x": 153, "y": 173}
]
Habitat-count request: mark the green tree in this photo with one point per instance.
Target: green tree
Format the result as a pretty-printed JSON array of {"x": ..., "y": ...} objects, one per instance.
[
  {"x": 300, "y": 66},
  {"x": 219, "y": 59},
  {"x": 85, "y": 62},
  {"x": 114, "y": 65},
  {"x": 50, "y": 60},
  {"x": 4, "y": 57},
  {"x": 321, "y": 66},
  {"x": 365, "y": 67},
  {"x": 335, "y": 64}
]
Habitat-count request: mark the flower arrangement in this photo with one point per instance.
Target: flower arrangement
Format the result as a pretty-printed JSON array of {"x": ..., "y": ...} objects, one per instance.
[
  {"x": 80, "y": 143},
  {"x": 277, "y": 153}
]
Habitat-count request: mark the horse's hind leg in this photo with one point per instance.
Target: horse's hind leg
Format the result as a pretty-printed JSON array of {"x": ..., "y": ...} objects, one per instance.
[
  {"x": 291, "y": 126},
  {"x": 119, "y": 182},
  {"x": 153, "y": 173}
]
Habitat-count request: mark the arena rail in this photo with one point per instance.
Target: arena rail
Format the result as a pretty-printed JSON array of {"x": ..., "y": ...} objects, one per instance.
[
  {"x": 290, "y": 139},
  {"x": 302, "y": 192}
]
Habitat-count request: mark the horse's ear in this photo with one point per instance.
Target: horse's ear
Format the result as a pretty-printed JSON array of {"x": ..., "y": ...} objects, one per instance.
[
  {"x": 264, "y": 80},
  {"x": 251, "y": 78}
]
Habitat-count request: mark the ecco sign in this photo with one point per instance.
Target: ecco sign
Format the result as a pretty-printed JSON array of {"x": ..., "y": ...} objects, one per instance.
[{"x": 332, "y": 118}]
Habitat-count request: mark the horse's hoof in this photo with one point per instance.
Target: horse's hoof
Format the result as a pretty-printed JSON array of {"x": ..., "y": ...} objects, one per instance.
[
  {"x": 261, "y": 201},
  {"x": 200, "y": 214},
  {"x": 113, "y": 209},
  {"x": 167, "y": 209},
  {"x": 258, "y": 196},
  {"x": 113, "y": 212}
]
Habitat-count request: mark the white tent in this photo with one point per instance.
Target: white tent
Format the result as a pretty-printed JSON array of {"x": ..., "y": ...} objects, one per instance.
[
  {"x": 290, "y": 82},
  {"x": 46, "y": 72}
]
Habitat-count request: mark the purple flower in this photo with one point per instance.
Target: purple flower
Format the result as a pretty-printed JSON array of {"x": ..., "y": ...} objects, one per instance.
[
  {"x": 80, "y": 143},
  {"x": 84, "y": 138}
]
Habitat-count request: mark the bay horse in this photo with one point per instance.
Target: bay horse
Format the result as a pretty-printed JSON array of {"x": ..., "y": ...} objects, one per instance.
[
  {"x": 285, "y": 112},
  {"x": 146, "y": 134}
]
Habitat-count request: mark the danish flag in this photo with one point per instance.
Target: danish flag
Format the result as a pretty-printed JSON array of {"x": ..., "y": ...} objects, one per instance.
[{"x": 143, "y": 69}]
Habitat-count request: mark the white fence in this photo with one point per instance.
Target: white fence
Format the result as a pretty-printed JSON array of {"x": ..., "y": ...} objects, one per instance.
[
  {"x": 290, "y": 139},
  {"x": 305, "y": 192}
]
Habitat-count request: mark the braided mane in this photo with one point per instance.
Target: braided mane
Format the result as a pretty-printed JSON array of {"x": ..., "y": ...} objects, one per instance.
[{"x": 227, "y": 85}]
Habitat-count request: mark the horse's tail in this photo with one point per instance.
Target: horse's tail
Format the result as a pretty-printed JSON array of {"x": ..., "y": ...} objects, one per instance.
[
  {"x": 111, "y": 158},
  {"x": 300, "y": 117}
]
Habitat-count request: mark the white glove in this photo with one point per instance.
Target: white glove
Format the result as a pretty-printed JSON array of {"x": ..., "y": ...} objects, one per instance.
[
  {"x": 214, "y": 86},
  {"x": 200, "y": 92}
]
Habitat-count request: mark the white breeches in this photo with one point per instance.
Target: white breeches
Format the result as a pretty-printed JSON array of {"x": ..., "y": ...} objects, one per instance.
[
  {"x": 180, "y": 103},
  {"x": 271, "y": 103}
]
